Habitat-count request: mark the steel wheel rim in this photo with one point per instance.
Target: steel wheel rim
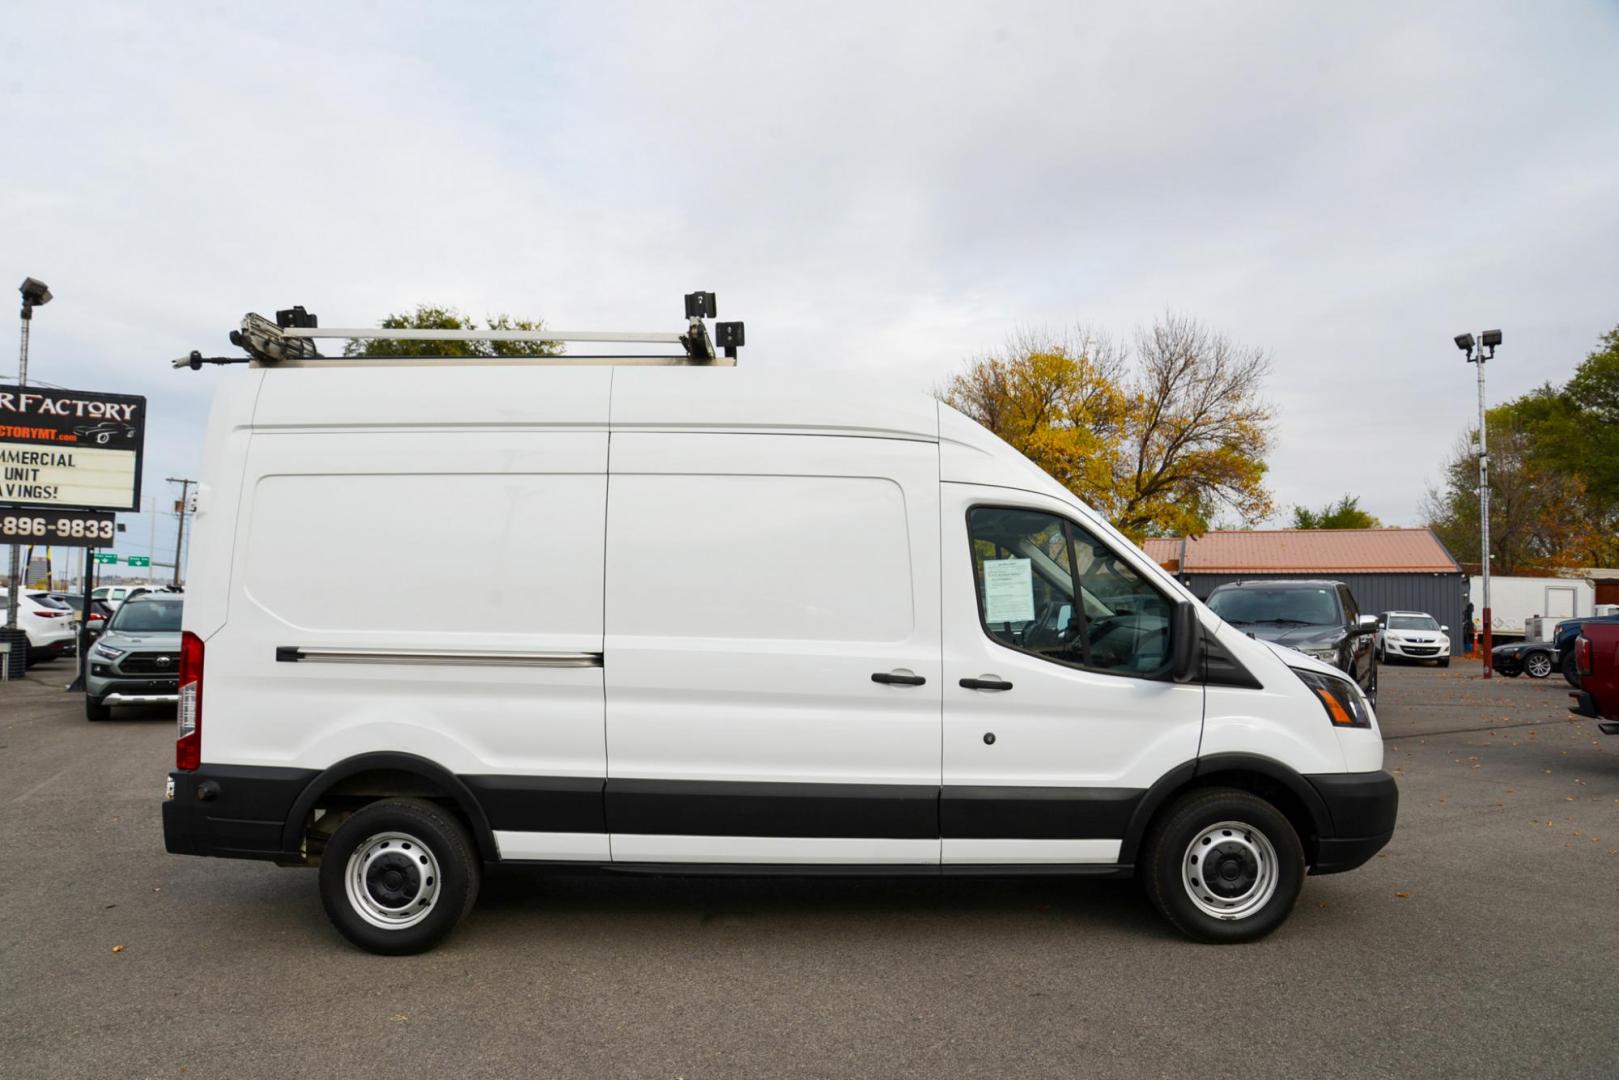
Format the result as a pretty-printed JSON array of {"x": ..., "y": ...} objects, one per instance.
[
  {"x": 1230, "y": 870},
  {"x": 1539, "y": 665},
  {"x": 393, "y": 880}
]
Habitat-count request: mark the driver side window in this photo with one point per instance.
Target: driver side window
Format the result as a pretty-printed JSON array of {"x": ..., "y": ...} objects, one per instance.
[{"x": 1048, "y": 587}]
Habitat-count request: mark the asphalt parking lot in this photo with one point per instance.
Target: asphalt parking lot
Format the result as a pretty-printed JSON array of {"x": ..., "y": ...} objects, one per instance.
[{"x": 1483, "y": 941}]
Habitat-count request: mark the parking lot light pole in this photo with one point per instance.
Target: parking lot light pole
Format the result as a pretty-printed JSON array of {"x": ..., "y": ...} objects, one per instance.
[
  {"x": 1477, "y": 353},
  {"x": 34, "y": 294}
]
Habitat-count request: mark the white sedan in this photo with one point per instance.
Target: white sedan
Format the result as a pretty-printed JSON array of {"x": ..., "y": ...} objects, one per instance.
[{"x": 1412, "y": 635}]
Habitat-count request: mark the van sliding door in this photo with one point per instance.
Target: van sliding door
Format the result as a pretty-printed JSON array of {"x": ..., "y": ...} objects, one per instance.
[{"x": 772, "y": 649}]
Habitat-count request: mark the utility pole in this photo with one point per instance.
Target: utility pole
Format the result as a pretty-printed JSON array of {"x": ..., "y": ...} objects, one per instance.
[
  {"x": 180, "y": 535},
  {"x": 1477, "y": 354}
]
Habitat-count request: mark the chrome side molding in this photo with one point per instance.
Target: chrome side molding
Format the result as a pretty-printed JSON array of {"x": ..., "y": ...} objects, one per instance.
[{"x": 292, "y": 654}]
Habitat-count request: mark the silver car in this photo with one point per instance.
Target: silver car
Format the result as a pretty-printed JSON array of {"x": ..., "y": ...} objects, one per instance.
[{"x": 136, "y": 660}]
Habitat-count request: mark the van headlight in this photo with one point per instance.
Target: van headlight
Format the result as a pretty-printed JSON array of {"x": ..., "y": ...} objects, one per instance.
[{"x": 1346, "y": 706}]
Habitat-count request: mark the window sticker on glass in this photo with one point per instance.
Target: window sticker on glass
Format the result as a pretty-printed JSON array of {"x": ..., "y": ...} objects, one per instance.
[{"x": 1008, "y": 591}]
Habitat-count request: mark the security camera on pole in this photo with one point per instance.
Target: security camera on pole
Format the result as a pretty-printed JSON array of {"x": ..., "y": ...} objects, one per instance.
[{"x": 1477, "y": 353}]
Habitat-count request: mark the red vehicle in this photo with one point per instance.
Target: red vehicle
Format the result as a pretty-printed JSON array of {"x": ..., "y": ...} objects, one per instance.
[{"x": 1596, "y": 657}]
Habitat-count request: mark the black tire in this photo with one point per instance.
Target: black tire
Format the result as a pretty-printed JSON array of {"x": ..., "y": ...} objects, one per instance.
[
  {"x": 1181, "y": 825},
  {"x": 95, "y": 710},
  {"x": 405, "y": 837},
  {"x": 1570, "y": 672},
  {"x": 1539, "y": 664},
  {"x": 1444, "y": 661}
]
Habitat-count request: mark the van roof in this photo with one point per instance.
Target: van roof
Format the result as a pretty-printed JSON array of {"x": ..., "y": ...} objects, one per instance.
[{"x": 486, "y": 395}]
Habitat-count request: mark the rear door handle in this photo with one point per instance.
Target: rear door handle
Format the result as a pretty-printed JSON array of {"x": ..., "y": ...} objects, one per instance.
[
  {"x": 889, "y": 678},
  {"x": 986, "y": 684}
]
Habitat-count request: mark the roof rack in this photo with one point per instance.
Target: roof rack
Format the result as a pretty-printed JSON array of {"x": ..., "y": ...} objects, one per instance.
[{"x": 289, "y": 341}]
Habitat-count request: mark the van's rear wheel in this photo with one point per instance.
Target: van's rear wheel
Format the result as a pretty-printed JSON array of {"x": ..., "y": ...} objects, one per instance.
[
  {"x": 398, "y": 875},
  {"x": 1223, "y": 866}
]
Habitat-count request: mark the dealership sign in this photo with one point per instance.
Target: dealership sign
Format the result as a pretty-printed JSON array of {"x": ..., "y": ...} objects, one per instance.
[{"x": 70, "y": 448}]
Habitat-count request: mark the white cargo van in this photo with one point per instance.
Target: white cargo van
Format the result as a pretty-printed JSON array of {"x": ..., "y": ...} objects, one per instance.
[{"x": 715, "y": 620}]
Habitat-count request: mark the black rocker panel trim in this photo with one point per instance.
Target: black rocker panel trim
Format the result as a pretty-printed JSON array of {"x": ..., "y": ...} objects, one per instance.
[
  {"x": 1036, "y": 813},
  {"x": 832, "y": 870},
  {"x": 736, "y": 808},
  {"x": 541, "y": 803}
]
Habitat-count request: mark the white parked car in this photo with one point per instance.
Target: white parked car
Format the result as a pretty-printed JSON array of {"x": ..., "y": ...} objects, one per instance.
[
  {"x": 735, "y": 623},
  {"x": 1412, "y": 635},
  {"x": 113, "y": 595},
  {"x": 47, "y": 621}
]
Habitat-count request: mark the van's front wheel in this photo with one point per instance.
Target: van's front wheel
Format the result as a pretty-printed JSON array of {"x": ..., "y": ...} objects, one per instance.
[
  {"x": 1223, "y": 866},
  {"x": 398, "y": 875}
]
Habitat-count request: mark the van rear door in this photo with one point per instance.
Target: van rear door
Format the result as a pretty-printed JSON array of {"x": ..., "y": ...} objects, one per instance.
[{"x": 418, "y": 569}]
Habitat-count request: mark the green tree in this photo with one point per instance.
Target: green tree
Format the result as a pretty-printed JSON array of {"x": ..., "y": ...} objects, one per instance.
[
  {"x": 1343, "y": 514},
  {"x": 1159, "y": 437},
  {"x": 1593, "y": 395},
  {"x": 431, "y": 317},
  {"x": 1554, "y": 475}
]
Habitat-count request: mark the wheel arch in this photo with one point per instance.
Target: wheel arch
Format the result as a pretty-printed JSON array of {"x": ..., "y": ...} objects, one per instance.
[
  {"x": 1266, "y": 777},
  {"x": 388, "y": 768}
]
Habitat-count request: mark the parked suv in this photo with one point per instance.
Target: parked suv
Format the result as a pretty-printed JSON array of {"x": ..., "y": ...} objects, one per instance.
[
  {"x": 136, "y": 660},
  {"x": 1318, "y": 618},
  {"x": 1412, "y": 635},
  {"x": 47, "y": 622}
]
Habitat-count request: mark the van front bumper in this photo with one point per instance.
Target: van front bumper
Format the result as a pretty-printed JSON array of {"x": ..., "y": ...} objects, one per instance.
[{"x": 1362, "y": 808}]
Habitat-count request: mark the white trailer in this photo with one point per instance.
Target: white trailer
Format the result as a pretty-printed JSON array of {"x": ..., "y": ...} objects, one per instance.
[{"x": 1515, "y": 601}]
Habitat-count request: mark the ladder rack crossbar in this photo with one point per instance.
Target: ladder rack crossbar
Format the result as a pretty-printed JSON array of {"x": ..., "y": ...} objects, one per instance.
[{"x": 380, "y": 334}]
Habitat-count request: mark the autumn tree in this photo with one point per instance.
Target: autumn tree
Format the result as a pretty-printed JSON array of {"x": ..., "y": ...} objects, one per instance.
[
  {"x": 430, "y": 317},
  {"x": 1343, "y": 514},
  {"x": 1159, "y": 435},
  {"x": 1538, "y": 517}
]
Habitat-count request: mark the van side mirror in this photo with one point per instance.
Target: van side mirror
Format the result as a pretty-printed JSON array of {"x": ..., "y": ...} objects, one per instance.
[{"x": 1185, "y": 641}]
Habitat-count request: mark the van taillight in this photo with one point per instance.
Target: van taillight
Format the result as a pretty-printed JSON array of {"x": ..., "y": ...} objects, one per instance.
[
  {"x": 1582, "y": 655},
  {"x": 188, "y": 748}
]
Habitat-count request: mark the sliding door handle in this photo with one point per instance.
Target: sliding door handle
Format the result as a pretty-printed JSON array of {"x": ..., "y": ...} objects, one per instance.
[
  {"x": 986, "y": 684},
  {"x": 894, "y": 678}
]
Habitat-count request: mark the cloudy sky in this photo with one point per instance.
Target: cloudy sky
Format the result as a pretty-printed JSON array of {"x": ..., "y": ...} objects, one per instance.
[{"x": 872, "y": 186}]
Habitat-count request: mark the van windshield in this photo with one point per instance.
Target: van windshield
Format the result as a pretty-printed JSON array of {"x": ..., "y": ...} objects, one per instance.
[
  {"x": 1303, "y": 607},
  {"x": 148, "y": 617}
]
